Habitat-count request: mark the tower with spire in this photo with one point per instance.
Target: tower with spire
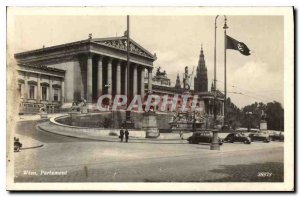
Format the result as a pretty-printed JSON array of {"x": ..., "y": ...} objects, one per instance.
[
  {"x": 200, "y": 80},
  {"x": 177, "y": 84}
]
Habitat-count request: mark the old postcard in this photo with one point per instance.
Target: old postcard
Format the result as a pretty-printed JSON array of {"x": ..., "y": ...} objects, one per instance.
[{"x": 150, "y": 98}]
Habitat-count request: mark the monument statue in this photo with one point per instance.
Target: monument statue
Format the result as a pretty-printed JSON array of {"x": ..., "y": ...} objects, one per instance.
[
  {"x": 43, "y": 111},
  {"x": 184, "y": 121},
  {"x": 79, "y": 106}
]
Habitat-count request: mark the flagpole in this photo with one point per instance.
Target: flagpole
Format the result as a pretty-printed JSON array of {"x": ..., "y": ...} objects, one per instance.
[
  {"x": 127, "y": 118},
  {"x": 128, "y": 61},
  {"x": 215, "y": 71},
  {"x": 225, "y": 70},
  {"x": 215, "y": 142}
]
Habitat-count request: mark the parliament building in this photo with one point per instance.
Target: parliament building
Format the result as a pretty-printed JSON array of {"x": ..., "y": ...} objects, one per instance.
[{"x": 59, "y": 75}]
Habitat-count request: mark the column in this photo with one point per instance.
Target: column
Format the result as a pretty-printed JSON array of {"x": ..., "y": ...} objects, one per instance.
[
  {"x": 126, "y": 80},
  {"x": 150, "y": 80},
  {"x": 89, "y": 78},
  {"x": 100, "y": 79},
  {"x": 62, "y": 91},
  {"x": 118, "y": 78},
  {"x": 50, "y": 90},
  {"x": 134, "y": 85},
  {"x": 25, "y": 86},
  {"x": 209, "y": 109},
  {"x": 143, "y": 83},
  {"x": 109, "y": 76},
  {"x": 38, "y": 91},
  {"x": 78, "y": 84},
  {"x": 221, "y": 108}
]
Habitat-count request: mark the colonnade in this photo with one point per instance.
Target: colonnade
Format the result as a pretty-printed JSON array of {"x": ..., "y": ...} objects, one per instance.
[{"x": 112, "y": 77}]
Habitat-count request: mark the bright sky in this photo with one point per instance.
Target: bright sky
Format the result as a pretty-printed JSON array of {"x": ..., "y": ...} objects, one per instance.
[{"x": 177, "y": 41}]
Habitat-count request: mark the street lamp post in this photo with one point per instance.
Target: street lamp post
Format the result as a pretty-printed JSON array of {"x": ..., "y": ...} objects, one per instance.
[
  {"x": 215, "y": 71},
  {"x": 215, "y": 142}
]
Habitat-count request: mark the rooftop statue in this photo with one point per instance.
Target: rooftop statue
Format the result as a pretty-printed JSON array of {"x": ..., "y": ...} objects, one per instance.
[{"x": 159, "y": 73}]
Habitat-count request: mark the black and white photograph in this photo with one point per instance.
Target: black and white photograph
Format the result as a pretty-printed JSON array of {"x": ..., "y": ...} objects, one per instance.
[{"x": 150, "y": 99}]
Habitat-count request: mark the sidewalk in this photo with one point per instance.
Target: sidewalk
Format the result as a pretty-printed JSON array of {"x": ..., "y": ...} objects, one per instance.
[{"x": 65, "y": 131}]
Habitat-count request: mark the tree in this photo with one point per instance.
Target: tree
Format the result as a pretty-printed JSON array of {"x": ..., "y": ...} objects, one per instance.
[
  {"x": 232, "y": 114},
  {"x": 273, "y": 111},
  {"x": 275, "y": 116}
]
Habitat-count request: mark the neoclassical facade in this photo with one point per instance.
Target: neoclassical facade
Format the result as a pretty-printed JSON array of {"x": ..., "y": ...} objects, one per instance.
[
  {"x": 83, "y": 70},
  {"x": 38, "y": 86}
]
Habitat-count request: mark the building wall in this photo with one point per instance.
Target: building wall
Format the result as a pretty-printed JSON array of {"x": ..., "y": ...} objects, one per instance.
[{"x": 71, "y": 80}]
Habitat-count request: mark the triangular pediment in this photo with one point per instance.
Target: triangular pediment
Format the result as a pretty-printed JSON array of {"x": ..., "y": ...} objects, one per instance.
[{"x": 121, "y": 44}]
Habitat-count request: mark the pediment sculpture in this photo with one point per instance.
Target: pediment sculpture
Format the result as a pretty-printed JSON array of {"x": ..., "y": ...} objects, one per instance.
[{"x": 122, "y": 44}]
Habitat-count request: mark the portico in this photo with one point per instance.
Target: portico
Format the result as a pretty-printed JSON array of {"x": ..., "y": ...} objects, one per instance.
[
  {"x": 95, "y": 67},
  {"x": 98, "y": 74}
]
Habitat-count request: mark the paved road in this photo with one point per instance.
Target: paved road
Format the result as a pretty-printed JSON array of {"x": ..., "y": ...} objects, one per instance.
[{"x": 78, "y": 160}]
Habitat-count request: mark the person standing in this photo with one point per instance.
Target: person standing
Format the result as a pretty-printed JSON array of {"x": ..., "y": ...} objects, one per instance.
[
  {"x": 121, "y": 134},
  {"x": 126, "y": 135}
]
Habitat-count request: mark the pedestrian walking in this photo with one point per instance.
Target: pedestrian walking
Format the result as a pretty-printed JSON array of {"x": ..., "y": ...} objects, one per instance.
[
  {"x": 121, "y": 134},
  {"x": 126, "y": 135}
]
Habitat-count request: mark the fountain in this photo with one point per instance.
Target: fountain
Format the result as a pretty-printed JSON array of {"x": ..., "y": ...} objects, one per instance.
[{"x": 187, "y": 121}]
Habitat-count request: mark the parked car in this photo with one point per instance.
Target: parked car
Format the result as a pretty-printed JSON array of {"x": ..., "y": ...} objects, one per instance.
[
  {"x": 202, "y": 136},
  {"x": 277, "y": 136},
  {"x": 259, "y": 137},
  {"x": 237, "y": 137}
]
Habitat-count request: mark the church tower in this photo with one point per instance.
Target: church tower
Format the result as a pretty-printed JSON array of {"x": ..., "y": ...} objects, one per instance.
[{"x": 200, "y": 80}]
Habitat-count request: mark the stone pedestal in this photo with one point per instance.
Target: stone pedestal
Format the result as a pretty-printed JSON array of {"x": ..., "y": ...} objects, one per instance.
[
  {"x": 44, "y": 115},
  {"x": 84, "y": 109},
  {"x": 128, "y": 123},
  {"x": 263, "y": 125},
  {"x": 215, "y": 141},
  {"x": 73, "y": 115},
  {"x": 150, "y": 125}
]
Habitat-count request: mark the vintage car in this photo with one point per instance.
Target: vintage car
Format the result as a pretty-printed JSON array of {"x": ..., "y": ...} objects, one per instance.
[
  {"x": 261, "y": 136},
  {"x": 202, "y": 136},
  {"x": 277, "y": 136},
  {"x": 237, "y": 137}
]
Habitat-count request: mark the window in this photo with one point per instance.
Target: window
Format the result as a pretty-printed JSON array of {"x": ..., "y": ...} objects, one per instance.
[
  {"x": 31, "y": 92},
  {"x": 44, "y": 93},
  {"x": 55, "y": 94},
  {"x": 20, "y": 89}
]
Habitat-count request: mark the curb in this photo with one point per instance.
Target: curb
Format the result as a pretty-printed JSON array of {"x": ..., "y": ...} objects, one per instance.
[{"x": 110, "y": 139}]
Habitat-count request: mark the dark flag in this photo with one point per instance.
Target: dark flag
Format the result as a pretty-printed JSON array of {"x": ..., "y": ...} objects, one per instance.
[{"x": 236, "y": 45}]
